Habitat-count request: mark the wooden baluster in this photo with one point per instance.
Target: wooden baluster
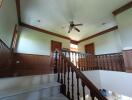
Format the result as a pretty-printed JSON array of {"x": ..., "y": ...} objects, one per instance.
[
  {"x": 79, "y": 60},
  {"x": 64, "y": 86},
  {"x": 78, "y": 93},
  {"x": 85, "y": 56},
  {"x": 104, "y": 60},
  {"x": 83, "y": 86},
  {"x": 86, "y": 61},
  {"x": 58, "y": 65},
  {"x": 83, "y": 62},
  {"x": 72, "y": 57},
  {"x": 111, "y": 62},
  {"x": 90, "y": 62},
  {"x": 68, "y": 82},
  {"x": 72, "y": 85},
  {"x": 76, "y": 59},
  {"x": 122, "y": 63},
  {"x": 61, "y": 67},
  {"x": 96, "y": 63},
  {"x": 118, "y": 64},
  {"x": 55, "y": 61},
  {"x": 92, "y": 95},
  {"x": 69, "y": 53},
  {"x": 63, "y": 71},
  {"x": 100, "y": 62},
  {"x": 107, "y": 62}
]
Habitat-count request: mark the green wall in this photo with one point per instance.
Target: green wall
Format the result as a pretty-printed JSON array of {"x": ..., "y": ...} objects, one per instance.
[{"x": 8, "y": 19}]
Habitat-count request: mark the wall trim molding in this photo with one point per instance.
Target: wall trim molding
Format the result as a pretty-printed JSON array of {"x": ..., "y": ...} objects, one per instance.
[
  {"x": 100, "y": 33},
  {"x": 122, "y": 9},
  {"x": 43, "y": 31},
  {"x": 18, "y": 8}
]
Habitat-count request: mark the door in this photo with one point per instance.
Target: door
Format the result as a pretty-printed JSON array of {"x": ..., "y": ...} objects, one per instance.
[
  {"x": 89, "y": 48},
  {"x": 55, "y": 46}
]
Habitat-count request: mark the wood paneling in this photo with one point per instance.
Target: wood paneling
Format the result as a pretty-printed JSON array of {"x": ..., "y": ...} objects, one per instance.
[
  {"x": 127, "y": 54},
  {"x": 5, "y": 60},
  {"x": 27, "y": 64},
  {"x": 123, "y": 8}
]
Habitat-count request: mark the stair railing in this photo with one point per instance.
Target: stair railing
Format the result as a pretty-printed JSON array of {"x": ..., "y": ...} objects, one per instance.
[
  {"x": 70, "y": 77},
  {"x": 86, "y": 61}
]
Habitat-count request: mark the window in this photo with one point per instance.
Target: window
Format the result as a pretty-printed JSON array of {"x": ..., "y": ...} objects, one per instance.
[{"x": 73, "y": 47}]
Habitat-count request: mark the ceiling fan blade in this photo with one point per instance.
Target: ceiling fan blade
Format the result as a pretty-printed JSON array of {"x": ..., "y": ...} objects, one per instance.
[
  {"x": 78, "y": 24},
  {"x": 76, "y": 29},
  {"x": 70, "y": 29}
]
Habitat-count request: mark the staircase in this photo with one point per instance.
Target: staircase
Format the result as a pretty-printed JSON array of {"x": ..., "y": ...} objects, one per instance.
[
  {"x": 69, "y": 83},
  {"x": 40, "y": 87},
  {"x": 74, "y": 84}
]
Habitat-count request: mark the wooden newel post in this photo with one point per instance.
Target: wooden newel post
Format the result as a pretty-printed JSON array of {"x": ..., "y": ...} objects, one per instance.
[
  {"x": 55, "y": 61},
  {"x": 127, "y": 56}
]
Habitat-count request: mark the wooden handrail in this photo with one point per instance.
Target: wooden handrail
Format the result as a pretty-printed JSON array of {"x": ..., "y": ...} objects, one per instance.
[
  {"x": 86, "y": 61},
  {"x": 64, "y": 65},
  {"x": 85, "y": 80}
]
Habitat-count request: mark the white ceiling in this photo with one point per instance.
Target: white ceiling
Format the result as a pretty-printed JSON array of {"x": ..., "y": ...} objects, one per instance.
[{"x": 55, "y": 15}]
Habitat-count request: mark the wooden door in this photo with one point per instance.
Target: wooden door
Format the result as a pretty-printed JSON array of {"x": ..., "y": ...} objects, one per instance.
[
  {"x": 89, "y": 48},
  {"x": 55, "y": 46}
]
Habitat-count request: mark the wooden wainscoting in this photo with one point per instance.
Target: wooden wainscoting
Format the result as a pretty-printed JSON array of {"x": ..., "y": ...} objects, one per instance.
[
  {"x": 29, "y": 64},
  {"x": 5, "y": 60}
]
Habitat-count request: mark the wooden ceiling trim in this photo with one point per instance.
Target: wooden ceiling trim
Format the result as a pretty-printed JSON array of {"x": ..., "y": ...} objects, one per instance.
[
  {"x": 100, "y": 33},
  {"x": 122, "y": 9},
  {"x": 43, "y": 31},
  {"x": 74, "y": 42},
  {"x": 18, "y": 8}
]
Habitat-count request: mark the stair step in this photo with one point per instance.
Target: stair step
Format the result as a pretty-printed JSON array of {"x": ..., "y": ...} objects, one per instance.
[
  {"x": 47, "y": 89},
  {"x": 57, "y": 97}
]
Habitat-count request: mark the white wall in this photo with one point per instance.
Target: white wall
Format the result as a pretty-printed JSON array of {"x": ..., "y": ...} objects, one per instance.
[
  {"x": 94, "y": 76},
  {"x": 107, "y": 43},
  {"x": 8, "y": 19},
  {"x": 124, "y": 21},
  {"x": 33, "y": 42},
  {"x": 118, "y": 82}
]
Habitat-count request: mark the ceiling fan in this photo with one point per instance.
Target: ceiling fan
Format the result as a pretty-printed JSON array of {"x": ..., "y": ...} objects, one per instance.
[{"x": 73, "y": 26}]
